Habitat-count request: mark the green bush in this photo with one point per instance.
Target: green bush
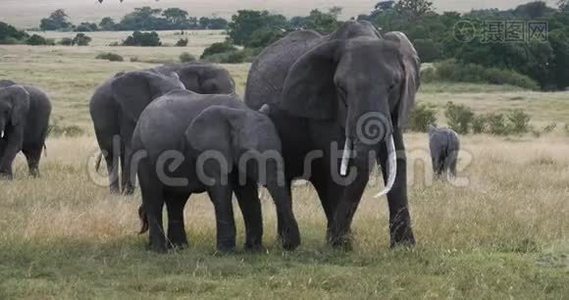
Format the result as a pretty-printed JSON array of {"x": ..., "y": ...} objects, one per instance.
[
  {"x": 231, "y": 57},
  {"x": 218, "y": 48},
  {"x": 37, "y": 40},
  {"x": 422, "y": 116},
  {"x": 187, "y": 57},
  {"x": 182, "y": 43},
  {"x": 66, "y": 42},
  {"x": 110, "y": 56},
  {"x": 518, "y": 121},
  {"x": 478, "y": 124},
  {"x": 459, "y": 117},
  {"x": 143, "y": 39},
  {"x": 452, "y": 71},
  {"x": 497, "y": 124},
  {"x": 81, "y": 40}
]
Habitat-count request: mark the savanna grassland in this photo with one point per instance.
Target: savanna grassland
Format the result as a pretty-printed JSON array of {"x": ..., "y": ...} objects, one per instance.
[{"x": 501, "y": 231}]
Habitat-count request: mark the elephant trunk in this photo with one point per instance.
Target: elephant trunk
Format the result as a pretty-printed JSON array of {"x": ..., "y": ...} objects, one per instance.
[{"x": 370, "y": 130}]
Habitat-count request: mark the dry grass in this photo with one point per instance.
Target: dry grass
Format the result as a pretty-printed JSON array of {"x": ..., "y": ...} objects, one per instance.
[{"x": 504, "y": 234}]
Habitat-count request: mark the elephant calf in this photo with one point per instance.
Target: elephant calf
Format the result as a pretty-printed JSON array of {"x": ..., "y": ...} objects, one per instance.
[
  {"x": 193, "y": 143},
  {"x": 24, "y": 121},
  {"x": 445, "y": 145}
]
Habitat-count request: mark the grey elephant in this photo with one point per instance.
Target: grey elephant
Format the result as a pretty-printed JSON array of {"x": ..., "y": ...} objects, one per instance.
[
  {"x": 117, "y": 103},
  {"x": 24, "y": 123},
  {"x": 350, "y": 92},
  {"x": 445, "y": 146},
  {"x": 187, "y": 143},
  {"x": 115, "y": 108}
]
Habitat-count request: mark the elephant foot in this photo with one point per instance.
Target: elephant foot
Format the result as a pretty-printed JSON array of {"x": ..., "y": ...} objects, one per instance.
[
  {"x": 290, "y": 238},
  {"x": 254, "y": 248},
  {"x": 157, "y": 248},
  {"x": 178, "y": 245},
  {"x": 341, "y": 242},
  {"x": 226, "y": 247},
  {"x": 405, "y": 240}
]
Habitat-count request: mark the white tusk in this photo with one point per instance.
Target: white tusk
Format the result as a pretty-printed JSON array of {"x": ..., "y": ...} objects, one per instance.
[
  {"x": 2, "y": 134},
  {"x": 391, "y": 167},
  {"x": 346, "y": 157}
]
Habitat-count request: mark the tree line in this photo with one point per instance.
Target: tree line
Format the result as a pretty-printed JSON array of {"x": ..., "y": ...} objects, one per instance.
[{"x": 142, "y": 18}]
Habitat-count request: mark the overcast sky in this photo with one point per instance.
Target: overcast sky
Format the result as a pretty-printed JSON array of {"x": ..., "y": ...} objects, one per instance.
[{"x": 28, "y": 12}]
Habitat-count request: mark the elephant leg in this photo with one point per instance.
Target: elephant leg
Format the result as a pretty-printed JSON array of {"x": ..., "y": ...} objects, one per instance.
[
  {"x": 153, "y": 202},
  {"x": 13, "y": 145},
  {"x": 33, "y": 156},
  {"x": 451, "y": 162},
  {"x": 330, "y": 194},
  {"x": 175, "y": 203},
  {"x": 250, "y": 204},
  {"x": 400, "y": 229},
  {"x": 127, "y": 173},
  {"x": 221, "y": 197}
]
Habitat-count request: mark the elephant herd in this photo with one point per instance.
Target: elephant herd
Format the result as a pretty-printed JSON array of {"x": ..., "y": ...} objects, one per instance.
[{"x": 325, "y": 108}]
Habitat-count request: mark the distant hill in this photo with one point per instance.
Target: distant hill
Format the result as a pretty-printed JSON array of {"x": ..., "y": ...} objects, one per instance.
[{"x": 27, "y": 13}]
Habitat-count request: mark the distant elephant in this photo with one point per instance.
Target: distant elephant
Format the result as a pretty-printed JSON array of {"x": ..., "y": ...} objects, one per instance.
[
  {"x": 350, "y": 91},
  {"x": 445, "y": 145},
  {"x": 195, "y": 126},
  {"x": 24, "y": 123},
  {"x": 130, "y": 93},
  {"x": 115, "y": 108}
]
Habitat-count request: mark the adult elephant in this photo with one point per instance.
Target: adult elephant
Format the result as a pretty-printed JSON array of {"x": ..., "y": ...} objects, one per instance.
[
  {"x": 117, "y": 104},
  {"x": 191, "y": 143},
  {"x": 353, "y": 88},
  {"x": 24, "y": 121},
  {"x": 115, "y": 108}
]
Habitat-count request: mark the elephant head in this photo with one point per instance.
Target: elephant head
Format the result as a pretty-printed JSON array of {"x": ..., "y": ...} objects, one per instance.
[
  {"x": 247, "y": 139},
  {"x": 202, "y": 78},
  {"x": 14, "y": 106},
  {"x": 364, "y": 82},
  {"x": 135, "y": 90}
]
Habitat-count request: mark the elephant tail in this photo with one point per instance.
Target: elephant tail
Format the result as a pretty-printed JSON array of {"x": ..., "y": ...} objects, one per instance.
[
  {"x": 143, "y": 220},
  {"x": 98, "y": 164},
  {"x": 44, "y": 150}
]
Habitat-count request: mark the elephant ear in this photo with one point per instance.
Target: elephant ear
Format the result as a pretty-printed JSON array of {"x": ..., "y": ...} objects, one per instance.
[
  {"x": 411, "y": 66},
  {"x": 133, "y": 91},
  {"x": 215, "y": 130},
  {"x": 309, "y": 90},
  {"x": 20, "y": 104}
]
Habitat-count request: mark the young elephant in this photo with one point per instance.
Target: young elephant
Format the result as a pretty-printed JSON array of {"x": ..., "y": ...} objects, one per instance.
[
  {"x": 24, "y": 120},
  {"x": 193, "y": 143},
  {"x": 445, "y": 145}
]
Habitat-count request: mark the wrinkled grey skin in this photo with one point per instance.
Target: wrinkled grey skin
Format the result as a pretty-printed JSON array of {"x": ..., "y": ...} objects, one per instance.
[
  {"x": 115, "y": 108},
  {"x": 192, "y": 124},
  {"x": 24, "y": 120},
  {"x": 107, "y": 114},
  {"x": 445, "y": 146},
  {"x": 318, "y": 88}
]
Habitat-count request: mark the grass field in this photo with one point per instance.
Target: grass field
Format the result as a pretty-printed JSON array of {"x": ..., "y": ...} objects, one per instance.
[{"x": 504, "y": 233}]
